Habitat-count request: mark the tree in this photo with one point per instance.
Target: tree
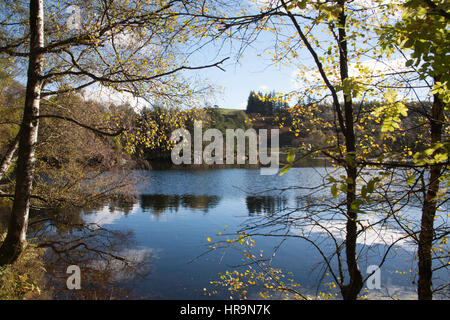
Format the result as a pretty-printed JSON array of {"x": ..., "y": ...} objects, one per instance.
[
  {"x": 341, "y": 80},
  {"x": 265, "y": 104},
  {"x": 12, "y": 94},
  {"x": 128, "y": 47},
  {"x": 150, "y": 135},
  {"x": 429, "y": 56},
  {"x": 15, "y": 239}
]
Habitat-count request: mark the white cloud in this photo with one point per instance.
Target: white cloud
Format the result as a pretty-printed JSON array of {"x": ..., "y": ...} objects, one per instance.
[
  {"x": 136, "y": 258},
  {"x": 379, "y": 67},
  {"x": 370, "y": 72},
  {"x": 264, "y": 88},
  {"x": 106, "y": 217},
  {"x": 371, "y": 236},
  {"x": 103, "y": 94}
]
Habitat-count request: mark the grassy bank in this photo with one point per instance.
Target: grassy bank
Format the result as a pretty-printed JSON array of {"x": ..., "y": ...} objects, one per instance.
[{"x": 23, "y": 280}]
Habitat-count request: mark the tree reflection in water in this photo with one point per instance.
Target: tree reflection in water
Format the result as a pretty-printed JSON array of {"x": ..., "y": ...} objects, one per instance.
[
  {"x": 104, "y": 256},
  {"x": 160, "y": 203},
  {"x": 265, "y": 205}
]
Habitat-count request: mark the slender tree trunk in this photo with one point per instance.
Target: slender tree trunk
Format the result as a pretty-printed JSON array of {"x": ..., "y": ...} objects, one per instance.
[
  {"x": 6, "y": 161},
  {"x": 17, "y": 228},
  {"x": 429, "y": 208},
  {"x": 345, "y": 118},
  {"x": 352, "y": 289}
]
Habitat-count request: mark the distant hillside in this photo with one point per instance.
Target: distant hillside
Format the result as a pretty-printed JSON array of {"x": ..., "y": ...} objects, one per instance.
[
  {"x": 226, "y": 111},
  {"x": 224, "y": 118}
]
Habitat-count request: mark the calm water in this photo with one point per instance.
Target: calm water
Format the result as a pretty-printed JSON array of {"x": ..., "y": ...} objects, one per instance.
[{"x": 177, "y": 211}]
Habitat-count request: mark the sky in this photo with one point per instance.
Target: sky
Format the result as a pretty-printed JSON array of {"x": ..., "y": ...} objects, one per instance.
[
  {"x": 252, "y": 71},
  {"x": 242, "y": 75},
  {"x": 249, "y": 72}
]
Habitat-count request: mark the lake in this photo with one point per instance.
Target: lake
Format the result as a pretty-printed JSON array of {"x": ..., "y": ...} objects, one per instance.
[{"x": 179, "y": 214}]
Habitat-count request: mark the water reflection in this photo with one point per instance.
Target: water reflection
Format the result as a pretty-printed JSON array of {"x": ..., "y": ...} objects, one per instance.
[
  {"x": 167, "y": 247},
  {"x": 157, "y": 204},
  {"x": 265, "y": 205},
  {"x": 125, "y": 205},
  {"x": 108, "y": 259}
]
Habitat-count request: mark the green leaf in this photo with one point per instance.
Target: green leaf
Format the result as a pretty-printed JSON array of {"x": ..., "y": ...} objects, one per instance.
[
  {"x": 334, "y": 190},
  {"x": 411, "y": 179},
  {"x": 285, "y": 169},
  {"x": 440, "y": 157},
  {"x": 301, "y": 4},
  {"x": 291, "y": 156},
  {"x": 370, "y": 186},
  {"x": 343, "y": 187},
  {"x": 363, "y": 191},
  {"x": 355, "y": 205},
  {"x": 331, "y": 180}
]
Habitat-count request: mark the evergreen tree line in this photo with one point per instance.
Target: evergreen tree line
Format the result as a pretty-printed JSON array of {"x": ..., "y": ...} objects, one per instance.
[{"x": 264, "y": 103}]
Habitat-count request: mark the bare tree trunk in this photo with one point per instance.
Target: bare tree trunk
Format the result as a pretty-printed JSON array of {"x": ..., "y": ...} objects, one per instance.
[
  {"x": 17, "y": 228},
  {"x": 352, "y": 289},
  {"x": 429, "y": 208},
  {"x": 6, "y": 161}
]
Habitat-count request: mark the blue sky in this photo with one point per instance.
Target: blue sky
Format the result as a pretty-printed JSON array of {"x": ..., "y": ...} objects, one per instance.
[
  {"x": 250, "y": 73},
  {"x": 254, "y": 70}
]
